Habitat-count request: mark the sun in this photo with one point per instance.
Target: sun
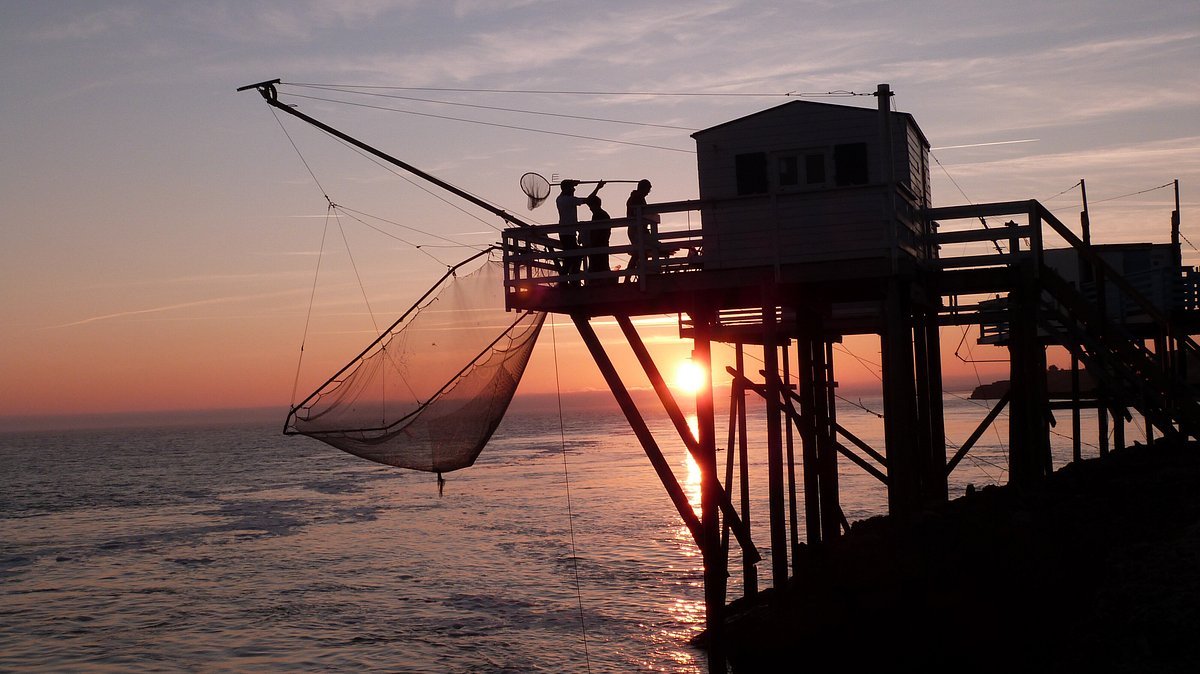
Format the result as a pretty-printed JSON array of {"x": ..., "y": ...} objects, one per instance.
[{"x": 689, "y": 377}]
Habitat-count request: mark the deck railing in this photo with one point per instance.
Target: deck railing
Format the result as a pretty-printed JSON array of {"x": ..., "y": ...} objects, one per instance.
[{"x": 536, "y": 257}]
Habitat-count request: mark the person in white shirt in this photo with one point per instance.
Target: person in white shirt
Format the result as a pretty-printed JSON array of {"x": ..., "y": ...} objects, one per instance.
[{"x": 567, "y": 204}]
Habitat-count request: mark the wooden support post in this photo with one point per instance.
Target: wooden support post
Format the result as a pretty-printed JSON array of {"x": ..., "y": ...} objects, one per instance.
[
  {"x": 789, "y": 424},
  {"x": 1076, "y": 426},
  {"x": 934, "y": 487},
  {"x": 775, "y": 497},
  {"x": 1098, "y": 332},
  {"x": 1102, "y": 426},
  {"x": 1021, "y": 332},
  {"x": 899, "y": 401},
  {"x": 1162, "y": 353},
  {"x": 1119, "y": 426},
  {"x": 749, "y": 567},
  {"x": 923, "y": 430},
  {"x": 1085, "y": 222},
  {"x": 808, "y": 437},
  {"x": 730, "y": 458},
  {"x": 711, "y": 494},
  {"x": 831, "y": 511},
  {"x": 1028, "y": 451},
  {"x": 640, "y": 429}
]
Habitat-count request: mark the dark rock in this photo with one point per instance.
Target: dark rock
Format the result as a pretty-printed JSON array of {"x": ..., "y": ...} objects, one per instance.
[{"x": 1097, "y": 570}]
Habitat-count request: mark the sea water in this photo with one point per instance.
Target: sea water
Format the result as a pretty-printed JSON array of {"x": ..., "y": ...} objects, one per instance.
[{"x": 238, "y": 549}]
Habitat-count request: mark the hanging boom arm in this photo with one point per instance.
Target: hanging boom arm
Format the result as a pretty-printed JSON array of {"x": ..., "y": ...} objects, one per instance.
[{"x": 271, "y": 96}]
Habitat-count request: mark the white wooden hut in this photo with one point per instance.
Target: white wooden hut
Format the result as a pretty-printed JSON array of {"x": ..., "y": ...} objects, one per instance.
[{"x": 810, "y": 182}]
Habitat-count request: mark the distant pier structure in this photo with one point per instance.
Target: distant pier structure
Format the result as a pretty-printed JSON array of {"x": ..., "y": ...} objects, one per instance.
[{"x": 815, "y": 222}]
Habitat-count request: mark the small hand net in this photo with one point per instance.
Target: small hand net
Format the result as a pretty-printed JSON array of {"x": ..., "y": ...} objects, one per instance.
[
  {"x": 431, "y": 390},
  {"x": 536, "y": 187}
]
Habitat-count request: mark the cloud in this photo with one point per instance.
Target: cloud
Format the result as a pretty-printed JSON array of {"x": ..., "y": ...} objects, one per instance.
[
  {"x": 467, "y": 8},
  {"x": 556, "y": 40},
  {"x": 90, "y": 25},
  {"x": 264, "y": 21}
]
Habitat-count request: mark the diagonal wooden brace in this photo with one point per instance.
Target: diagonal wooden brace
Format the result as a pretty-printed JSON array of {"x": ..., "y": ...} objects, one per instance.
[
  {"x": 740, "y": 531},
  {"x": 638, "y": 424}
]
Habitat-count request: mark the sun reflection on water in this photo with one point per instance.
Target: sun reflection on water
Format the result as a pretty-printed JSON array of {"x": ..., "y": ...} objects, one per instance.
[
  {"x": 670, "y": 642},
  {"x": 691, "y": 485}
]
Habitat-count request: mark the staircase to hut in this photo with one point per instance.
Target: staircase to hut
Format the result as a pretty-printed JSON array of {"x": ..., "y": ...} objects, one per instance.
[
  {"x": 1112, "y": 344},
  {"x": 1130, "y": 374}
]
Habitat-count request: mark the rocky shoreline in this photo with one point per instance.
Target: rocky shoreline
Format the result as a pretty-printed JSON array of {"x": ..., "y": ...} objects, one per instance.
[{"x": 1098, "y": 569}]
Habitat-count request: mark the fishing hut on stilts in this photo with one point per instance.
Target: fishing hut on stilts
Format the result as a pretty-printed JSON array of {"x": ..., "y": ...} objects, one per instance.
[{"x": 817, "y": 223}]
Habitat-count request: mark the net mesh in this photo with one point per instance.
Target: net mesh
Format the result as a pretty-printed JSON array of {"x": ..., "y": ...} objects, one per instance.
[
  {"x": 431, "y": 390},
  {"x": 536, "y": 188}
]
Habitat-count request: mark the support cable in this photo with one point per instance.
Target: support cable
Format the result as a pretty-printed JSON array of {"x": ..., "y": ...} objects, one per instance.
[
  {"x": 863, "y": 362},
  {"x": 979, "y": 381},
  {"x": 958, "y": 187},
  {"x": 417, "y": 185},
  {"x": 1134, "y": 194},
  {"x": 495, "y": 124},
  {"x": 354, "y": 266},
  {"x": 973, "y": 401},
  {"x": 958, "y": 348},
  {"x": 397, "y": 174},
  {"x": 732, "y": 94},
  {"x": 562, "y": 435},
  {"x": 500, "y": 109},
  {"x": 450, "y": 243},
  {"x": 420, "y": 248},
  {"x": 859, "y": 405},
  {"x": 301, "y": 155},
  {"x": 979, "y": 463},
  {"x": 1189, "y": 242},
  {"x": 1077, "y": 184},
  {"x": 308, "y": 316},
  {"x": 1081, "y": 441}
]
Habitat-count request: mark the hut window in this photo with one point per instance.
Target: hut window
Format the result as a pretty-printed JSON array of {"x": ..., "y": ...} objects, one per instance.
[
  {"x": 789, "y": 171},
  {"x": 799, "y": 170},
  {"x": 850, "y": 164},
  {"x": 814, "y": 168},
  {"x": 751, "y": 173}
]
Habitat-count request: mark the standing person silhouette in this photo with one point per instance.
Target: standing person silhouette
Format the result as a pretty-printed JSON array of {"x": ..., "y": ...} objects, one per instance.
[
  {"x": 597, "y": 237},
  {"x": 639, "y": 232},
  {"x": 568, "y": 216}
]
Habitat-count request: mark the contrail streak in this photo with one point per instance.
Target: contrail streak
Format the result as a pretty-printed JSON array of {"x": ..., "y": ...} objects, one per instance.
[
  {"x": 999, "y": 142},
  {"x": 169, "y": 307}
]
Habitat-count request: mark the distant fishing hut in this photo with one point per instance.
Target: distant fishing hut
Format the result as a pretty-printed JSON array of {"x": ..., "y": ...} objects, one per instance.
[{"x": 816, "y": 222}]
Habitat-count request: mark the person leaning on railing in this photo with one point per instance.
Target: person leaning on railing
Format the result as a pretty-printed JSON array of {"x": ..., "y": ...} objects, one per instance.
[
  {"x": 567, "y": 204},
  {"x": 596, "y": 237},
  {"x": 639, "y": 229}
]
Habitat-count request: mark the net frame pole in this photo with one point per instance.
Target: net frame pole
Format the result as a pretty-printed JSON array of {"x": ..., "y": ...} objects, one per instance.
[{"x": 271, "y": 96}]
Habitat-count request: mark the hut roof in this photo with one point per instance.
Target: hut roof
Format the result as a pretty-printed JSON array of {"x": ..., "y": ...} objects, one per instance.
[{"x": 792, "y": 106}]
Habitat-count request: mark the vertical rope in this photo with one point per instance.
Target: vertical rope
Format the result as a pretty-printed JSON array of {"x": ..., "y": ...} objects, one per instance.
[
  {"x": 308, "y": 317},
  {"x": 562, "y": 436},
  {"x": 354, "y": 266}
]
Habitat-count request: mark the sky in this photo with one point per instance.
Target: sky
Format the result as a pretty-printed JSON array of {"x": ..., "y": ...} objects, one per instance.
[{"x": 161, "y": 232}]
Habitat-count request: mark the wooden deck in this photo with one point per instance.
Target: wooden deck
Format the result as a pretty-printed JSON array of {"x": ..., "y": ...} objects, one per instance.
[{"x": 665, "y": 273}]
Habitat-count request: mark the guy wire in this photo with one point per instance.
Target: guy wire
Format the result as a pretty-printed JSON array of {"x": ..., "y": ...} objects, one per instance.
[
  {"x": 311, "y": 299},
  {"x": 562, "y": 436}
]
